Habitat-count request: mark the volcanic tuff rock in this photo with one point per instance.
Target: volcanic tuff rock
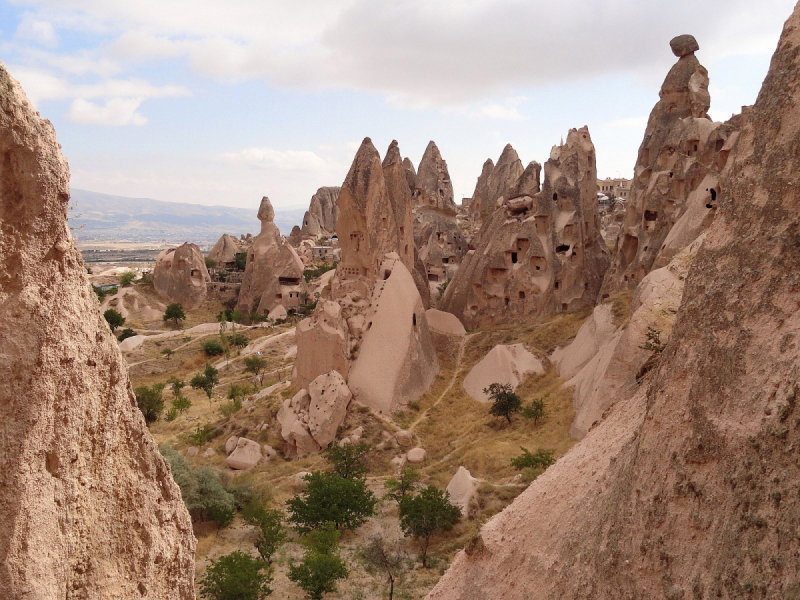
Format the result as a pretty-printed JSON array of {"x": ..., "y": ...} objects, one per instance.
[
  {"x": 89, "y": 506},
  {"x": 686, "y": 490},
  {"x": 504, "y": 365},
  {"x": 395, "y": 175},
  {"x": 180, "y": 274},
  {"x": 495, "y": 182},
  {"x": 433, "y": 186},
  {"x": 225, "y": 250},
  {"x": 676, "y": 187},
  {"x": 274, "y": 273},
  {"x": 542, "y": 251},
  {"x": 322, "y": 214}
]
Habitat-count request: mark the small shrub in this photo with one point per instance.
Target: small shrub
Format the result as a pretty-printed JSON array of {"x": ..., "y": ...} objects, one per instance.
[
  {"x": 228, "y": 409},
  {"x": 114, "y": 319},
  {"x": 427, "y": 513},
  {"x": 504, "y": 401},
  {"x": 126, "y": 333},
  {"x": 310, "y": 274},
  {"x": 269, "y": 525},
  {"x": 535, "y": 410},
  {"x": 150, "y": 401},
  {"x": 172, "y": 413},
  {"x": 181, "y": 404},
  {"x": 541, "y": 459},
  {"x": 321, "y": 566},
  {"x": 406, "y": 483},
  {"x": 168, "y": 352},
  {"x": 236, "y": 576},
  {"x": 443, "y": 286},
  {"x": 210, "y": 263},
  {"x": 201, "y": 435},
  {"x": 212, "y": 347},
  {"x": 174, "y": 313},
  {"x": 126, "y": 278}
]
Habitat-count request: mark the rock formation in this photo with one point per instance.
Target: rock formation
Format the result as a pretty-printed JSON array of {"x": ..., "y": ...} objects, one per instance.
[
  {"x": 274, "y": 273},
  {"x": 687, "y": 488},
  {"x": 372, "y": 297},
  {"x": 502, "y": 364},
  {"x": 180, "y": 274},
  {"x": 225, "y": 250},
  {"x": 246, "y": 454},
  {"x": 542, "y": 251},
  {"x": 322, "y": 214},
  {"x": 90, "y": 509},
  {"x": 397, "y": 186},
  {"x": 444, "y": 322},
  {"x": 433, "y": 186},
  {"x": 494, "y": 183},
  {"x": 461, "y": 489},
  {"x": 676, "y": 184}
]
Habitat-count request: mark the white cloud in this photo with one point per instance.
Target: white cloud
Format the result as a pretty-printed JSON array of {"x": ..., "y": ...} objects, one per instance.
[
  {"x": 282, "y": 160},
  {"x": 41, "y": 32},
  {"x": 637, "y": 123},
  {"x": 115, "y": 112}
]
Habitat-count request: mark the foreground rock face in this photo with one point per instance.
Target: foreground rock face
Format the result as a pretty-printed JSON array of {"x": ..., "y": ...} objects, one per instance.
[
  {"x": 541, "y": 251},
  {"x": 274, "y": 273},
  {"x": 686, "y": 490},
  {"x": 89, "y": 507},
  {"x": 322, "y": 214},
  {"x": 676, "y": 187},
  {"x": 180, "y": 274}
]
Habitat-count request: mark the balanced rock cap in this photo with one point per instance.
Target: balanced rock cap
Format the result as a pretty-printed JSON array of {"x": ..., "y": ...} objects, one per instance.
[
  {"x": 265, "y": 211},
  {"x": 684, "y": 45}
]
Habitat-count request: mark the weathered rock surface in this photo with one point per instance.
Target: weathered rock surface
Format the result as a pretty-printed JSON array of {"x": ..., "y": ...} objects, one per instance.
[
  {"x": 274, "y": 273},
  {"x": 396, "y": 178},
  {"x": 444, "y": 322},
  {"x": 592, "y": 336},
  {"x": 461, "y": 489},
  {"x": 322, "y": 214},
  {"x": 230, "y": 445},
  {"x": 225, "y": 250},
  {"x": 89, "y": 507},
  {"x": 503, "y": 364},
  {"x": 322, "y": 344},
  {"x": 396, "y": 362},
  {"x": 676, "y": 187},
  {"x": 246, "y": 455},
  {"x": 542, "y": 251},
  {"x": 404, "y": 438},
  {"x": 441, "y": 245},
  {"x": 683, "y": 45},
  {"x": 434, "y": 189},
  {"x": 180, "y": 274},
  {"x": 494, "y": 183},
  {"x": 684, "y": 489},
  {"x": 416, "y": 456}
]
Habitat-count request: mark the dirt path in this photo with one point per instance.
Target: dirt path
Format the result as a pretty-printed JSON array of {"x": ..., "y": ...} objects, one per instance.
[{"x": 456, "y": 370}]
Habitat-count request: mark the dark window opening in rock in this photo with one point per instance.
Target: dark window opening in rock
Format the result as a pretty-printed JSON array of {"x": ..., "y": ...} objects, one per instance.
[
  {"x": 522, "y": 295},
  {"x": 278, "y": 296},
  {"x": 650, "y": 215},
  {"x": 586, "y": 285},
  {"x": 557, "y": 284},
  {"x": 507, "y": 300},
  {"x": 386, "y": 274},
  {"x": 514, "y": 258},
  {"x": 605, "y": 297},
  {"x": 446, "y": 260},
  {"x": 564, "y": 306},
  {"x": 719, "y": 145},
  {"x": 562, "y": 248},
  {"x": 406, "y": 250},
  {"x": 288, "y": 281},
  {"x": 522, "y": 244},
  {"x": 671, "y": 174},
  {"x": 695, "y": 147},
  {"x": 252, "y": 257},
  {"x": 414, "y": 319},
  {"x": 625, "y": 278},
  {"x": 433, "y": 277},
  {"x": 555, "y": 197},
  {"x": 369, "y": 325},
  {"x": 402, "y": 230},
  {"x": 538, "y": 263}
]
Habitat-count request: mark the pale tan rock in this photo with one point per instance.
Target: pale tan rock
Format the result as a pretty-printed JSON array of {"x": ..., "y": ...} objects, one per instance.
[
  {"x": 89, "y": 507},
  {"x": 658, "y": 487},
  {"x": 299, "y": 480},
  {"x": 322, "y": 344},
  {"x": 356, "y": 435},
  {"x": 209, "y": 452},
  {"x": 329, "y": 399},
  {"x": 503, "y": 364},
  {"x": 495, "y": 182},
  {"x": 225, "y": 250},
  {"x": 416, "y": 456},
  {"x": 461, "y": 489},
  {"x": 444, "y": 322},
  {"x": 268, "y": 451},
  {"x": 396, "y": 178},
  {"x": 441, "y": 244},
  {"x": 434, "y": 189},
  {"x": 180, "y": 275},
  {"x": 192, "y": 451},
  {"x": 537, "y": 254},
  {"x": 592, "y": 336},
  {"x": 387, "y": 376},
  {"x": 322, "y": 214},
  {"x": 404, "y": 438},
  {"x": 246, "y": 455},
  {"x": 230, "y": 445}
]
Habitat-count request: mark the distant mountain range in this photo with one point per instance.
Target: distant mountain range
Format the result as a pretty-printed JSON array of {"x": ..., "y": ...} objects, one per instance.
[{"x": 96, "y": 216}]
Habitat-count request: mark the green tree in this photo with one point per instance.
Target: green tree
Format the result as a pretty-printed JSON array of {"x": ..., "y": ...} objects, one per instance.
[
  {"x": 329, "y": 498},
  {"x": 269, "y": 524},
  {"x": 255, "y": 364},
  {"x": 236, "y": 576},
  {"x": 210, "y": 263},
  {"x": 504, "y": 401},
  {"x": 237, "y": 316},
  {"x": 535, "y": 410},
  {"x": 212, "y": 347},
  {"x": 114, "y": 319},
  {"x": 168, "y": 352},
  {"x": 239, "y": 340},
  {"x": 174, "y": 313},
  {"x": 321, "y": 566},
  {"x": 384, "y": 559},
  {"x": 181, "y": 404},
  {"x": 205, "y": 381},
  {"x": 126, "y": 278},
  {"x": 406, "y": 483},
  {"x": 241, "y": 260},
  {"x": 348, "y": 461},
  {"x": 541, "y": 459},
  {"x": 150, "y": 401},
  {"x": 126, "y": 333},
  {"x": 427, "y": 513},
  {"x": 176, "y": 385}
]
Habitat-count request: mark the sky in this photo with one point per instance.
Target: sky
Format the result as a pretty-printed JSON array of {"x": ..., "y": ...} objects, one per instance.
[{"x": 223, "y": 102}]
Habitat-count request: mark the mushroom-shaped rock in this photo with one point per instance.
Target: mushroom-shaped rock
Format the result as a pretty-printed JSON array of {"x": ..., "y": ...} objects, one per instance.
[
  {"x": 503, "y": 364},
  {"x": 330, "y": 398},
  {"x": 462, "y": 488},
  {"x": 265, "y": 211},
  {"x": 416, "y": 456},
  {"x": 683, "y": 45},
  {"x": 444, "y": 322},
  {"x": 230, "y": 445},
  {"x": 245, "y": 456},
  {"x": 404, "y": 438}
]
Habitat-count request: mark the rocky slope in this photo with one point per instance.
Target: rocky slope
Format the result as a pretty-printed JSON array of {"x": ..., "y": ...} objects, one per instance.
[
  {"x": 689, "y": 488},
  {"x": 89, "y": 507}
]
